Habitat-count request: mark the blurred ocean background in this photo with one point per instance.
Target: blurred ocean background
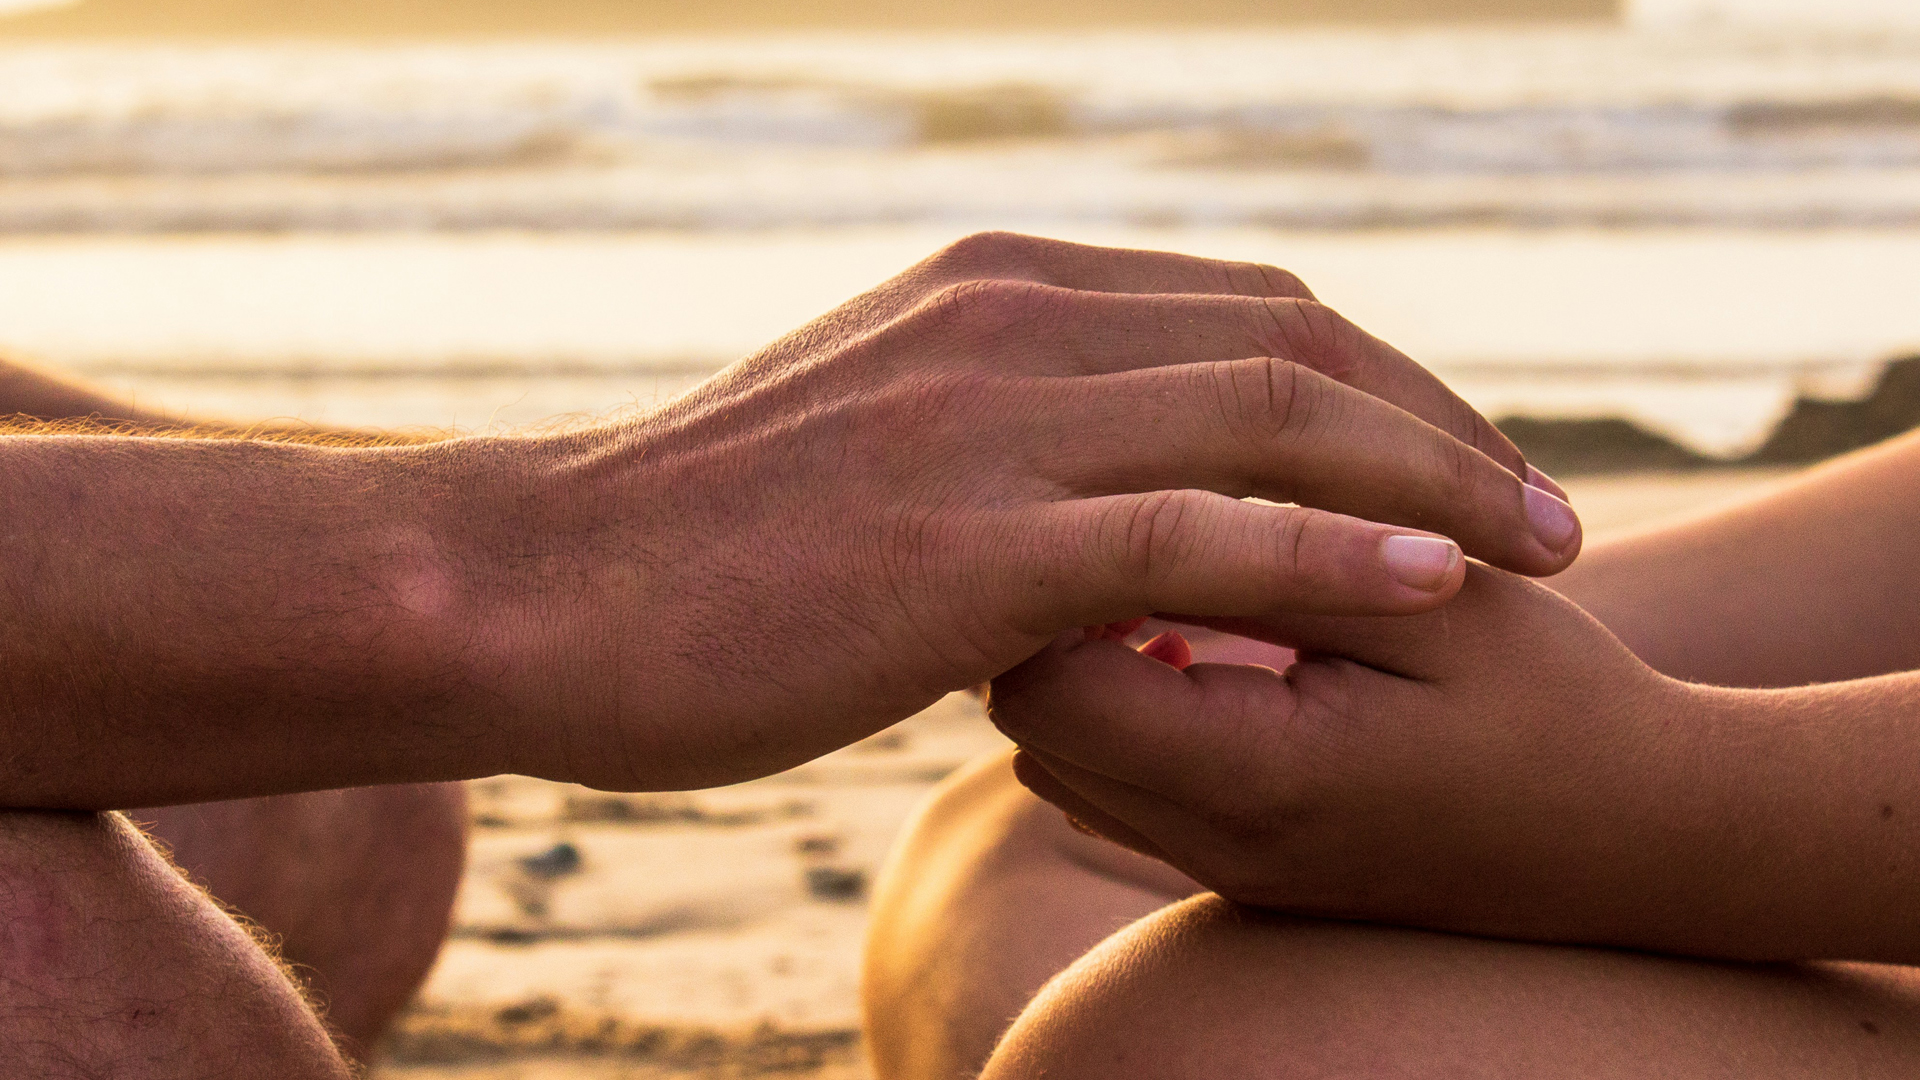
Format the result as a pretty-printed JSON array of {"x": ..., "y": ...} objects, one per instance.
[
  {"x": 1695, "y": 215},
  {"x": 1685, "y": 216}
]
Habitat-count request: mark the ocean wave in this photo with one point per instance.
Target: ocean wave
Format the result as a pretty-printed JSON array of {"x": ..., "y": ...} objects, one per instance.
[
  {"x": 1870, "y": 132},
  {"x": 1464, "y": 101},
  {"x": 1149, "y": 184}
]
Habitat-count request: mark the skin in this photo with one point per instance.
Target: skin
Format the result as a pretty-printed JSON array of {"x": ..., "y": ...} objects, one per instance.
[
  {"x": 1206, "y": 988},
  {"x": 991, "y": 887},
  {"x": 116, "y": 966},
  {"x": 352, "y": 890},
  {"x": 1014, "y": 437},
  {"x": 960, "y": 464},
  {"x": 1577, "y": 796},
  {"x": 992, "y": 895}
]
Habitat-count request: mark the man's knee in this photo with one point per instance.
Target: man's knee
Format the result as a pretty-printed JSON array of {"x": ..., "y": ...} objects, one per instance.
[
  {"x": 108, "y": 958},
  {"x": 357, "y": 885}
]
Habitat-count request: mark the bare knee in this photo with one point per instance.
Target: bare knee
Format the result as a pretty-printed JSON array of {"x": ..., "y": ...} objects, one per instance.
[
  {"x": 108, "y": 958},
  {"x": 988, "y": 894},
  {"x": 1206, "y": 989},
  {"x": 357, "y": 885}
]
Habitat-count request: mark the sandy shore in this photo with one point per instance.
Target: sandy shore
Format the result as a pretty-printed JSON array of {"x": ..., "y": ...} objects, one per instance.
[{"x": 717, "y": 934}]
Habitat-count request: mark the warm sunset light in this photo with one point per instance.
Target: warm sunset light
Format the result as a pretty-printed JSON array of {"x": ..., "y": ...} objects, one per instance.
[{"x": 528, "y": 499}]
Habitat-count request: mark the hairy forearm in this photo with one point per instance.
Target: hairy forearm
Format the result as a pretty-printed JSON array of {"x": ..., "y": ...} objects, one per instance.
[
  {"x": 1811, "y": 583},
  {"x": 193, "y": 619}
]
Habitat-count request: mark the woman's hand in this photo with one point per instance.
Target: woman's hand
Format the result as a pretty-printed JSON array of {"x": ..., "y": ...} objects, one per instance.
[{"x": 1500, "y": 766}]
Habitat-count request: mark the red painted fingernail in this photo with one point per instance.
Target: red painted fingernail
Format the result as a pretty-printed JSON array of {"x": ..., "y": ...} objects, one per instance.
[
  {"x": 1115, "y": 631},
  {"x": 1170, "y": 649}
]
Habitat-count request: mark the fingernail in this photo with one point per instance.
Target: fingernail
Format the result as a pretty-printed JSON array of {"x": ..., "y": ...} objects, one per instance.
[
  {"x": 1536, "y": 478},
  {"x": 1419, "y": 562},
  {"x": 1554, "y": 523},
  {"x": 1170, "y": 649},
  {"x": 1115, "y": 631}
]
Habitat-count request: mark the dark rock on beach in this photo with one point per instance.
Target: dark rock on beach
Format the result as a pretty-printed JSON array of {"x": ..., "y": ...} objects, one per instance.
[
  {"x": 1575, "y": 447},
  {"x": 1814, "y": 429},
  {"x": 1820, "y": 429}
]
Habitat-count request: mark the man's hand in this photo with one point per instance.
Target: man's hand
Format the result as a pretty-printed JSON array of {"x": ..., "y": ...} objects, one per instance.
[
  {"x": 906, "y": 497},
  {"x": 1502, "y": 766},
  {"x": 918, "y": 490}
]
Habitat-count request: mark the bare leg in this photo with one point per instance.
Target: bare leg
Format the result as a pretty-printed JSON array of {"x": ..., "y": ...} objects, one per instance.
[
  {"x": 356, "y": 885},
  {"x": 111, "y": 965},
  {"x": 1205, "y": 989},
  {"x": 991, "y": 890},
  {"x": 988, "y": 896}
]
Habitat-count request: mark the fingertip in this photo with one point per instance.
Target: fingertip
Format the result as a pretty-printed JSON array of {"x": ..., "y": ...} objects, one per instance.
[
  {"x": 1115, "y": 631},
  {"x": 1556, "y": 528},
  {"x": 1169, "y": 648},
  {"x": 1425, "y": 564}
]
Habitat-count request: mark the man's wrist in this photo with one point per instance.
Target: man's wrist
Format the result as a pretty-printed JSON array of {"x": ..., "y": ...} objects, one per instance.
[{"x": 554, "y": 586}]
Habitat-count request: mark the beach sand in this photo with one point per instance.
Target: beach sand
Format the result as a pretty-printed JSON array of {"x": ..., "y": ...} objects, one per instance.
[{"x": 718, "y": 933}]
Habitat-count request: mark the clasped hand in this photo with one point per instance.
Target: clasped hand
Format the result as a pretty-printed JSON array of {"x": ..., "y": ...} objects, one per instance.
[
  {"x": 1500, "y": 766},
  {"x": 919, "y": 490}
]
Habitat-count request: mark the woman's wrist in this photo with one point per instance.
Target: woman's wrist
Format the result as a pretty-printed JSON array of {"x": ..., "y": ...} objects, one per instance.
[{"x": 1802, "y": 831}]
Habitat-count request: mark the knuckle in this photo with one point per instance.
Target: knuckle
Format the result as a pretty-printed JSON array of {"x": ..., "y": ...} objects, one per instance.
[
  {"x": 1292, "y": 398},
  {"x": 1491, "y": 441},
  {"x": 1294, "y": 545},
  {"x": 1259, "y": 279},
  {"x": 1154, "y": 530},
  {"x": 988, "y": 305},
  {"x": 1458, "y": 464},
  {"x": 987, "y": 254},
  {"x": 1316, "y": 335},
  {"x": 1283, "y": 282},
  {"x": 1262, "y": 395}
]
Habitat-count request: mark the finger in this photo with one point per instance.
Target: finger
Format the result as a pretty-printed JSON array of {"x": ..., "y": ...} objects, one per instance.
[
  {"x": 1283, "y": 432},
  {"x": 1095, "y": 561},
  {"x": 1189, "y": 736},
  {"x": 1054, "y": 331},
  {"x": 1012, "y": 256},
  {"x": 1170, "y": 649},
  {"x": 1491, "y": 611},
  {"x": 1185, "y": 837},
  {"x": 1083, "y": 815}
]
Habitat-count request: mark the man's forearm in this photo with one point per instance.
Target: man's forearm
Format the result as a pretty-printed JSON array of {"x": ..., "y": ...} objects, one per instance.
[
  {"x": 1813, "y": 583},
  {"x": 191, "y": 619}
]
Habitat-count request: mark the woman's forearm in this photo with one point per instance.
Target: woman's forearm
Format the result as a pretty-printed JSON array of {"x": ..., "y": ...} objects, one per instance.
[
  {"x": 1795, "y": 825},
  {"x": 1814, "y": 582}
]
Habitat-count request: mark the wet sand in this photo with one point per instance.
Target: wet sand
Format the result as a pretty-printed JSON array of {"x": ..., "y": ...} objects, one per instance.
[{"x": 717, "y": 933}]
